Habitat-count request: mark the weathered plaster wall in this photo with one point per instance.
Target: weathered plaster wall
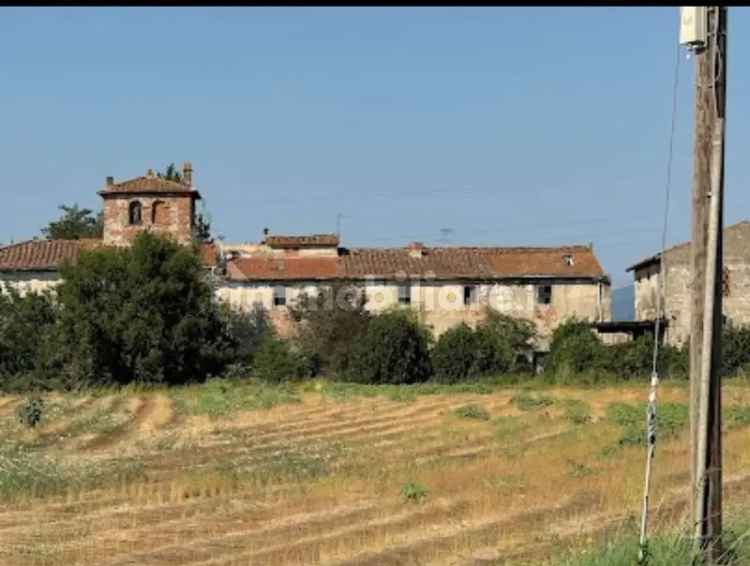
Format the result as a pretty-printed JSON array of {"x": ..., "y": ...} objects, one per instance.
[{"x": 441, "y": 305}]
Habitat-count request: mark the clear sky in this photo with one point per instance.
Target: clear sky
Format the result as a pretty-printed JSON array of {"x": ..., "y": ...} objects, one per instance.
[{"x": 505, "y": 126}]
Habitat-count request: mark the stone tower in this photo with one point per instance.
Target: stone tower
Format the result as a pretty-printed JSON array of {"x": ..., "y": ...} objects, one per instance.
[{"x": 149, "y": 203}]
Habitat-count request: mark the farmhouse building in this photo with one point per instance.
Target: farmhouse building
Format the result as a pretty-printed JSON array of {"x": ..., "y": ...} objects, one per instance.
[
  {"x": 444, "y": 285},
  {"x": 677, "y": 284}
]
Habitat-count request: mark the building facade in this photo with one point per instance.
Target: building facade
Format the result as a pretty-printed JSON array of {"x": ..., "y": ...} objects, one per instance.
[
  {"x": 444, "y": 285},
  {"x": 677, "y": 278}
]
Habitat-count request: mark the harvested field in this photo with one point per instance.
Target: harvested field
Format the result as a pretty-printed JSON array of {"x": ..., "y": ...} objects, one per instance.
[{"x": 236, "y": 474}]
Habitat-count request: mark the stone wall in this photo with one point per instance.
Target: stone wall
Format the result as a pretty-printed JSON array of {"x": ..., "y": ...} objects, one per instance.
[
  {"x": 165, "y": 215},
  {"x": 677, "y": 295}
]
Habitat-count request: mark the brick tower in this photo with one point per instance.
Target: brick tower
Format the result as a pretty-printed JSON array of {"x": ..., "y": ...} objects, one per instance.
[{"x": 149, "y": 203}]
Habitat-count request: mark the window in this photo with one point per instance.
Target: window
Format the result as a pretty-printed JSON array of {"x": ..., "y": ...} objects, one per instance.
[
  {"x": 279, "y": 296},
  {"x": 568, "y": 259},
  {"x": 134, "y": 212},
  {"x": 470, "y": 295},
  {"x": 404, "y": 294},
  {"x": 544, "y": 294}
]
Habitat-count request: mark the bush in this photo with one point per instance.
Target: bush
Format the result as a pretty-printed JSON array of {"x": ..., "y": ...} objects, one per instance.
[
  {"x": 414, "y": 492},
  {"x": 498, "y": 345},
  {"x": 454, "y": 357},
  {"x": 246, "y": 330},
  {"x": 735, "y": 348},
  {"x": 25, "y": 325},
  {"x": 472, "y": 412},
  {"x": 574, "y": 348},
  {"x": 512, "y": 338},
  {"x": 395, "y": 349},
  {"x": 144, "y": 313},
  {"x": 277, "y": 361},
  {"x": 329, "y": 324},
  {"x": 30, "y": 412}
]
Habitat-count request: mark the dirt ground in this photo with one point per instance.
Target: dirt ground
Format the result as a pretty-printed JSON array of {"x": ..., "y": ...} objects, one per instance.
[{"x": 505, "y": 477}]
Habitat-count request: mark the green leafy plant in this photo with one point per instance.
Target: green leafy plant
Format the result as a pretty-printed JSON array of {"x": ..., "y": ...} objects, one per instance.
[
  {"x": 329, "y": 323},
  {"x": 576, "y": 411},
  {"x": 278, "y": 360},
  {"x": 395, "y": 349},
  {"x": 144, "y": 313},
  {"x": 414, "y": 492},
  {"x": 472, "y": 412},
  {"x": 30, "y": 412},
  {"x": 527, "y": 402}
]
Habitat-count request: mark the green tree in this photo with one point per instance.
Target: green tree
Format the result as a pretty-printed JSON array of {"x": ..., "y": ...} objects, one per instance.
[
  {"x": 201, "y": 229},
  {"x": 25, "y": 323},
  {"x": 330, "y": 323},
  {"x": 74, "y": 224},
  {"x": 171, "y": 173},
  {"x": 395, "y": 349},
  {"x": 144, "y": 313}
]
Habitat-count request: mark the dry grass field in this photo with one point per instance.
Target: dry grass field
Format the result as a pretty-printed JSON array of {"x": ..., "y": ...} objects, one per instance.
[{"x": 235, "y": 474}]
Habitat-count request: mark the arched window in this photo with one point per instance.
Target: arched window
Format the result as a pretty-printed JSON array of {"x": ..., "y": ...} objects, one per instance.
[
  {"x": 159, "y": 213},
  {"x": 134, "y": 212}
]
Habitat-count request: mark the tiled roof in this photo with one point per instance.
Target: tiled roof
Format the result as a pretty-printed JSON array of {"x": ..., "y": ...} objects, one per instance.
[
  {"x": 302, "y": 241},
  {"x": 48, "y": 255},
  {"x": 147, "y": 185},
  {"x": 292, "y": 268},
  {"x": 437, "y": 263},
  {"x": 41, "y": 255}
]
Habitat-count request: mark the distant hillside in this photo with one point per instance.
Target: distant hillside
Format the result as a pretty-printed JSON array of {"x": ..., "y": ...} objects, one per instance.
[{"x": 623, "y": 303}]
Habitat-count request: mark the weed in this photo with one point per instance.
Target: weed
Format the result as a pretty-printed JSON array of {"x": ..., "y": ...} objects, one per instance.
[
  {"x": 508, "y": 426},
  {"x": 223, "y": 397},
  {"x": 670, "y": 419},
  {"x": 472, "y": 412},
  {"x": 578, "y": 470},
  {"x": 576, "y": 411},
  {"x": 528, "y": 402},
  {"x": 737, "y": 416},
  {"x": 30, "y": 412},
  {"x": 414, "y": 492}
]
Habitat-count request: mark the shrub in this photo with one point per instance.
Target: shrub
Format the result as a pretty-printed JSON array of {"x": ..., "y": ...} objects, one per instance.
[
  {"x": 395, "y": 349},
  {"x": 277, "y": 361},
  {"x": 454, "y": 357},
  {"x": 144, "y": 313},
  {"x": 574, "y": 348},
  {"x": 472, "y": 412},
  {"x": 329, "y": 324},
  {"x": 735, "y": 347},
  {"x": 498, "y": 345},
  {"x": 513, "y": 336},
  {"x": 527, "y": 402},
  {"x": 414, "y": 492},
  {"x": 25, "y": 324},
  {"x": 30, "y": 412},
  {"x": 246, "y": 330}
]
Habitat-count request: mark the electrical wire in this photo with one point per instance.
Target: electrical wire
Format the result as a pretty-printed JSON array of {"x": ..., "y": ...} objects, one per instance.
[{"x": 643, "y": 554}]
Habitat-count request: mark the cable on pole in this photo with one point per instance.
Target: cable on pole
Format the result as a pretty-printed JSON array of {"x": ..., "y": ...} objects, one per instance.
[{"x": 643, "y": 553}]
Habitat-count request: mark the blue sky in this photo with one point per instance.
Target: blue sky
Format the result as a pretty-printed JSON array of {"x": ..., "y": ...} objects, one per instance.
[{"x": 508, "y": 126}]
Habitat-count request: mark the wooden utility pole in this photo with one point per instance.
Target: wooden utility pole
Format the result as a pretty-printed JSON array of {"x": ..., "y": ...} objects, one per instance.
[{"x": 706, "y": 304}]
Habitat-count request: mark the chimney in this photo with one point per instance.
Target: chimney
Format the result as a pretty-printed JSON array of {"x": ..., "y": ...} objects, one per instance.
[
  {"x": 150, "y": 173},
  {"x": 110, "y": 181},
  {"x": 187, "y": 173},
  {"x": 416, "y": 249}
]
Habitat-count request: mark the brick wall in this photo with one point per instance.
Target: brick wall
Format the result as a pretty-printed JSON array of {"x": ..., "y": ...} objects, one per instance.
[{"x": 165, "y": 215}]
